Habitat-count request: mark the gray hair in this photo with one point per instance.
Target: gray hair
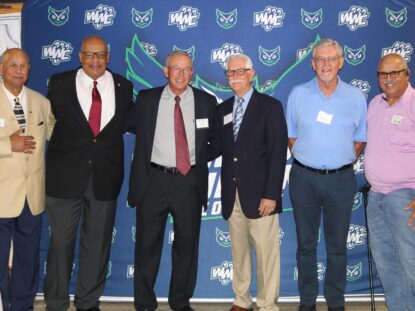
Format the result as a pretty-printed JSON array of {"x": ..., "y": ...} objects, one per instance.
[
  {"x": 178, "y": 52},
  {"x": 248, "y": 61},
  {"x": 328, "y": 42}
]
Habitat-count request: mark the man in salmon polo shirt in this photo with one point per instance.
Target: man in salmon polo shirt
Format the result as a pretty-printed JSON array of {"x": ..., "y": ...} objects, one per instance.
[{"x": 390, "y": 169}]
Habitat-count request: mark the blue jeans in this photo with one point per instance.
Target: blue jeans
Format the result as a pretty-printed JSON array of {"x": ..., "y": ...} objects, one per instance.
[
  {"x": 332, "y": 195},
  {"x": 392, "y": 243}
]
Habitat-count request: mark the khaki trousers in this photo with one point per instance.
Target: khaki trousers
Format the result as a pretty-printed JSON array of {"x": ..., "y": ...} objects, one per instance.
[{"x": 262, "y": 235}]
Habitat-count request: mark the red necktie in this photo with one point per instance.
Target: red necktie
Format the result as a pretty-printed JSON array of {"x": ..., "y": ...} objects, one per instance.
[
  {"x": 182, "y": 149},
  {"x": 95, "y": 112}
]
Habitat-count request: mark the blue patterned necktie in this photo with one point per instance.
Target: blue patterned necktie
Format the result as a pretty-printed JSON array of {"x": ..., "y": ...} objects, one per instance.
[
  {"x": 19, "y": 113},
  {"x": 238, "y": 117}
]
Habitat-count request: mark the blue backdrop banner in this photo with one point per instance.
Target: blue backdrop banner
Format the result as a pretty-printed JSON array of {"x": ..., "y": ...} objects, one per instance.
[{"x": 278, "y": 36}]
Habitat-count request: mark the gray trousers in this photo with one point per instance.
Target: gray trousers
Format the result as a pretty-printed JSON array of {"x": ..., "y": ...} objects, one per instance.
[{"x": 96, "y": 221}]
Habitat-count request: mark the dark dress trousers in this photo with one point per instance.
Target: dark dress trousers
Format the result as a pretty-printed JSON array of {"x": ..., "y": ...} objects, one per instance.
[
  {"x": 155, "y": 194},
  {"x": 83, "y": 179}
]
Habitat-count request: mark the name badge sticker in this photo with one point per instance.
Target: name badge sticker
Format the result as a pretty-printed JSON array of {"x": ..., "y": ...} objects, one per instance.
[
  {"x": 227, "y": 119},
  {"x": 396, "y": 119},
  {"x": 2, "y": 122},
  {"x": 324, "y": 117},
  {"x": 202, "y": 123}
]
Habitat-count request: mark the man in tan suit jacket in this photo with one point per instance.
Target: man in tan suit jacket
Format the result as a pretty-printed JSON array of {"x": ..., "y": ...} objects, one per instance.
[{"x": 26, "y": 121}]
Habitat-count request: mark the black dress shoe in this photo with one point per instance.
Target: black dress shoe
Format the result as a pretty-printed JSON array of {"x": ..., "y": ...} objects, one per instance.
[
  {"x": 187, "y": 308},
  {"x": 307, "y": 308},
  {"x": 336, "y": 309}
]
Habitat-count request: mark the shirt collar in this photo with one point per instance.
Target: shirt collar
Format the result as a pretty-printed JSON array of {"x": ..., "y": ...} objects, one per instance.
[
  {"x": 405, "y": 98},
  {"x": 246, "y": 97},
  {"x": 11, "y": 97},
  {"x": 338, "y": 87},
  {"x": 88, "y": 80},
  {"x": 172, "y": 95}
]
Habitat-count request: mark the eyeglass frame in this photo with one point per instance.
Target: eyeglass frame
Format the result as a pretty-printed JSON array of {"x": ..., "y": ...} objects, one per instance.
[
  {"x": 239, "y": 72},
  {"x": 321, "y": 60},
  {"x": 91, "y": 55},
  {"x": 392, "y": 74},
  {"x": 177, "y": 69}
]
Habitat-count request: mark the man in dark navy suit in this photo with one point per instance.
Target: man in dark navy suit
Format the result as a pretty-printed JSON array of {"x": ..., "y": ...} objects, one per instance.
[
  {"x": 169, "y": 174},
  {"x": 253, "y": 144}
]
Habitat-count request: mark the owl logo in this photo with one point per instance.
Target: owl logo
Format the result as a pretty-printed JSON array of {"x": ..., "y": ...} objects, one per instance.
[
  {"x": 311, "y": 19},
  {"x": 354, "y": 273},
  {"x": 223, "y": 238},
  {"x": 58, "y": 17},
  {"x": 396, "y": 19},
  {"x": 269, "y": 57},
  {"x": 226, "y": 20},
  {"x": 354, "y": 57},
  {"x": 141, "y": 19},
  {"x": 190, "y": 51}
]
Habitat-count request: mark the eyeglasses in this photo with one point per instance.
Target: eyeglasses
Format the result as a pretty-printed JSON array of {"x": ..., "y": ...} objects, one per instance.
[
  {"x": 239, "y": 72},
  {"x": 176, "y": 69},
  {"x": 321, "y": 60},
  {"x": 392, "y": 74},
  {"x": 91, "y": 55}
]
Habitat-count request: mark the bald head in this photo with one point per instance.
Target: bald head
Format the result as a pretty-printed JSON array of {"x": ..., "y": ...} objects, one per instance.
[
  {"x": 14, "y": 69},
  {"x": 393, "y": 76},
  {"x": 395, "y": 59}
]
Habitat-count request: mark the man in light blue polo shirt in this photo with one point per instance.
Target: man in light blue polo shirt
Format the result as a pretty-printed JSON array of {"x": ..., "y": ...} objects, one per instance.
[{"x": 326, "y": 130}]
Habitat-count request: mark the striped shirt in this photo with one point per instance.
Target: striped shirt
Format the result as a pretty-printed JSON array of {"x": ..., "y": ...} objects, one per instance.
[{"x": 390, "y": 149}]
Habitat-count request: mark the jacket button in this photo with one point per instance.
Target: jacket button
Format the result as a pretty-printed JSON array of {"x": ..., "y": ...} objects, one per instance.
[
  {"x": 89, "y": 161},
  {"x": 235, "y": 159},
  {"x": 234, "y": 179},
  {"x": 94, "y": 140}
]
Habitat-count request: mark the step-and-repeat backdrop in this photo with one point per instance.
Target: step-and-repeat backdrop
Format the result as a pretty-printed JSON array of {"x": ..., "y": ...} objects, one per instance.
[{"x": 278, "y": 35}]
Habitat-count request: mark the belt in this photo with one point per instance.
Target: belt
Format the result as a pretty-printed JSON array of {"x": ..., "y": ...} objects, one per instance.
[
  {"x": 321, "y": 171},
  {"x": 166, "y": 169}
]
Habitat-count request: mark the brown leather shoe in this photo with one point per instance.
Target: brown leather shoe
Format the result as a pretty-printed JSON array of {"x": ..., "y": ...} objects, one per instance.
[{"x": 238, "y": 308}]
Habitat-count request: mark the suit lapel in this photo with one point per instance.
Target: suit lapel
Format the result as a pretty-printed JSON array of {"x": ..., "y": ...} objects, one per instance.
[
  {"x": 249, "y": 116},
  {"x": 118, "y": 101},
  {"x": 6, "y": 111},
  {"x": 152, "y": 119},
  {"x": 77, "y": 105},
  {"x": 29, "y": 112},
  {"x": 199, "y": 114}
]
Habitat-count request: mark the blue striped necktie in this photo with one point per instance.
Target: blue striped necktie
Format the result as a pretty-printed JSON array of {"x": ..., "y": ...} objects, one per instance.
[
  {"x": 18, "y": 111},
  {"x": 238, "y": 117}
]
